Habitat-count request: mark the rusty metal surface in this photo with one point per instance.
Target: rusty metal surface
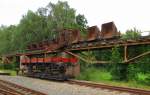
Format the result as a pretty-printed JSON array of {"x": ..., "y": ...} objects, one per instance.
[
  {"x": 32, "y": 46},
  {"x": 75, "y": 36},
  {"x": 53, "y": 45},
  {"x": 93, "y": 33},
  {"x": 100, "y": 45},
  {"x": 70, "y": 36},
  {"x": 109, "y": 45},
  {"x": 109, "y": 30},
  {"x": 73, "y": 71}
]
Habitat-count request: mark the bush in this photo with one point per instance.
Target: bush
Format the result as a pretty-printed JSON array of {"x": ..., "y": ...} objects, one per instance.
[
  {"x": 119, "y": 71},
  {"x": 8, "y": 66},
  {"x": 147, "y": 80},
  {"x": 132, "y": 72},
  {"x": 94, "y": 74},
  {"x": 85, "y": 74},
  {"x": 1, "y": 66}
]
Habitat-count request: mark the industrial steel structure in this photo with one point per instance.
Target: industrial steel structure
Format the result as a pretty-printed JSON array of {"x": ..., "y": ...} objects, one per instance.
[{"x": 54, "y": 59}]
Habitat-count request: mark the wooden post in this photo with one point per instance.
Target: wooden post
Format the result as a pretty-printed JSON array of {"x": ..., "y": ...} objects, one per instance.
[{"x": 125, "y": 53}]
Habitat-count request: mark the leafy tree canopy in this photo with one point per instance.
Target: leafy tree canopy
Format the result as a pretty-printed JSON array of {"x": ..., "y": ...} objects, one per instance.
[
  {"x": 37, "y": 26},
  {"x": 132, "y": 34}
]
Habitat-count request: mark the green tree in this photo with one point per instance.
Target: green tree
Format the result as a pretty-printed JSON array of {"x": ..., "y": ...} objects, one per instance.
[
  {"x": 60, "y": 15},
  {"x": 31, "y": 29},
  {"x": 132, "y": 72},
  {"x": 40, "y": 25},
  {"x": 115, "y": 58},
  {"x": 82, "y": 24},
  {"x": 132, "y": 34},
  {"x": 7, "y": 37},
  {"x": 118, "y": 70}
]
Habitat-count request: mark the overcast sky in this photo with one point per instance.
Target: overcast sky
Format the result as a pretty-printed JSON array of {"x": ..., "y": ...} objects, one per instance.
[{"x": 125, "y": 13}]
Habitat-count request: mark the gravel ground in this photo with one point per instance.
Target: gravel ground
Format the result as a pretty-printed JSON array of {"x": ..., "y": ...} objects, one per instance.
[{"x": 58, "y": 88}]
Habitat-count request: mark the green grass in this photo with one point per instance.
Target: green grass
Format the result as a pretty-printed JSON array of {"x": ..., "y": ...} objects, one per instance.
[
  {"x": 102, "y": 76},
  {"x": 12, "y": 72},
  {"x": 94, "y": 75},
  {"x": 142, "y": 76},
  {"x": 132, "y": 84}
]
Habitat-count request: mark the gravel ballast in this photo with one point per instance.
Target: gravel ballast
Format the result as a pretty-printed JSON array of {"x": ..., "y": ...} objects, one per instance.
[{"x": 58, "y": 88}]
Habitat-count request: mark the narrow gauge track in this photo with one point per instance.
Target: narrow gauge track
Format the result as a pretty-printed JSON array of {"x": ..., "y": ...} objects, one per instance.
[
  {"x": 8, "y": 88},
  {"x": 5, "y": 92},
  {"x": 104, "y": 86}
]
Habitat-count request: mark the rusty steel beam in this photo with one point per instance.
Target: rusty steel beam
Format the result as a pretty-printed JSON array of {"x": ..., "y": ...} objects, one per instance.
[
  {"x": 104, "y": 62},
  {"x": 109, "y": 46},
  {"x": 134, "y": 58},
  {"x": 85, "y": 60},
  {"x": 75, "y": 55}
]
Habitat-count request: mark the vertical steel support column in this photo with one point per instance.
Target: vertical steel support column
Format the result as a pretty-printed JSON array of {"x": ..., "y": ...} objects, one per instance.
[{"x": 125, "y": 53}]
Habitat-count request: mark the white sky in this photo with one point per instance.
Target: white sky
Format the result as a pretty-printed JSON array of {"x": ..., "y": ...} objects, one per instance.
[{"x": 125, "y": 13}]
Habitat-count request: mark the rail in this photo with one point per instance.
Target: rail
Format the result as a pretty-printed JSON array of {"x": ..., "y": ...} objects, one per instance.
[
  {"x": 8, "y": 88},
  {"x": 104, "y": 86}
]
